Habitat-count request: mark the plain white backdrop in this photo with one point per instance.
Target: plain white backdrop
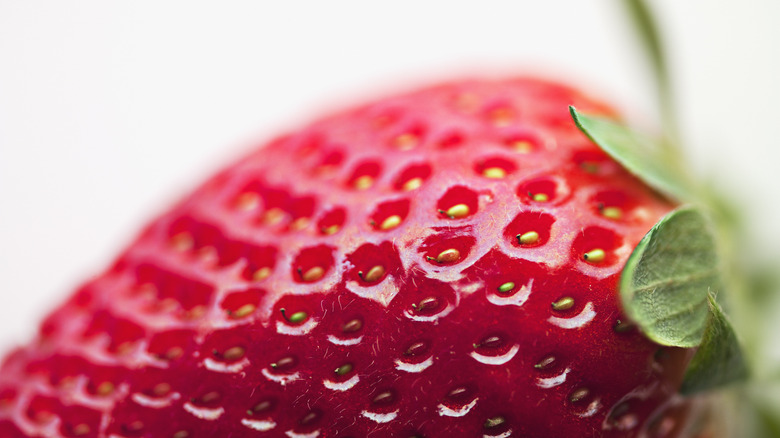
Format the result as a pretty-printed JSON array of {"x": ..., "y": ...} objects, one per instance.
[{"x": 110, "y": 110}]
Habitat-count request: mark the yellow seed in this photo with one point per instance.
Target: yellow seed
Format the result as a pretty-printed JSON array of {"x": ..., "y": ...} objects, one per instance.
[
  {"x": 329, "y": 230},
  {"x": 261, "y": 274},
  {"x": 494, "y": 173},
  {"x": 614, "y": 213},
  {"x": 412, "y": 184},
  {"x": 247, "y": 201},
  {"x": 363, "y": 182},
  {"x": 501, "y": 116},
  {"x": 81, "y": 430},
  {"x": 181, "y": 434},
  {"x": 564, "y": 303},
  {"x": 578, "y": 395},
  {"x": 448, "y": 256},
  {"x": 594, "y": 256},
  {"x": 528, "y": 238},
  {"x": 174, "y": 353},
  {"x": 390, "y": 222},
  {"x": 161, "y": 389},
  {"x": 374, "y": 273},
  {"x": 195, "y": 313},
  {"x": 541, "y": 197},
  {"x": 182, "y": 242},
  {"x": 299, "y": 224},
  {"x": 273, "y": 216},
  {"x": 234, "y": 353},
  {"x": 313, "y": 274},
  {"x": 406, "y": 141},
  {"x": 522, "y": 146},
  {"x": 243, "y": 311},
  {"x": 105, "y": 388},
  {"x": 458, "y": 211}
]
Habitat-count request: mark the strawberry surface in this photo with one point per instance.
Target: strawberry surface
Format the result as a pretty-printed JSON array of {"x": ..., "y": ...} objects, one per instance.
[{"x": 437, "y": 264}]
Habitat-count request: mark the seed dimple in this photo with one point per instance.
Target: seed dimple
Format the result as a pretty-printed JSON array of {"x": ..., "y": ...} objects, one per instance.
[
  {"x": 506, "y": 287},
  {"x": 390, "y": 222},
  {"x": 182, "y": 242},
  {"x": 273, "y": 216},
  {"x": 181, "y": 434},
  {"x": 447, "y": 256},
  {"x": 578, "y": 395},
  {"x": 545, "y": 363},
  {"x": 494, "y": 422},
  {"x": 352, "y": 326},
  {"x": 528, "y": 238},
  {"x": 594, "y": 256},
  {"x": 310, "y": 418},
  {"x": 374, "y": 274},
  {"x": 564, "y": 303}
]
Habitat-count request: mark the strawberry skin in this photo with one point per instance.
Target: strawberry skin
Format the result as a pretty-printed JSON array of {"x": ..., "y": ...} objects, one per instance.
[{"x": 437, "y": 264}]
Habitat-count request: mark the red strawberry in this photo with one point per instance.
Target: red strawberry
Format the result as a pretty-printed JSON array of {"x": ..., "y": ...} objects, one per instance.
[{"x": 439, "y": 264}]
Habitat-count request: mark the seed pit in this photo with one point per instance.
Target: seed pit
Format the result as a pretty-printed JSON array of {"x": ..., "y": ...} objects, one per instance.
[
  {"x": 171, "y": 345},
  {"x": 596, "y": 246},
  {"x": 332, "y": 221},
  {"x": 389, "y": 215},
  {"x": 458, "y": 202},
  {"x": 365, "y": 175},
  {"x": 372, "y": 263},
  {"x": 260, "y": 262},
  {"x": 595, "y": 162},
  {"x": 542, "y": 190},
  {"x": 412, "y": 177},
  {"x": 240, "y": 305},
  {"x": 522, "y": 141},
  {"x": 613, "y": 204},
  {"x": 495, "y": 167},
  {"x": 449, "y": 140},
  {"x": 443, "y": 250},
  {"x": 529, "y": 229},
  {"x": 311, "y": 264},
  {"x": 409, "y": 137}
]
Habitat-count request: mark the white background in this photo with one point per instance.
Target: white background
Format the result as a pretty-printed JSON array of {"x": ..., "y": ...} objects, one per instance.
[{"x": 109, "y": 110}]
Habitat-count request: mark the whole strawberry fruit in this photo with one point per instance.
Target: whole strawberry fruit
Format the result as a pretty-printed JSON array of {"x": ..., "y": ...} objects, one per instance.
[{"x": 439, "y": 264}]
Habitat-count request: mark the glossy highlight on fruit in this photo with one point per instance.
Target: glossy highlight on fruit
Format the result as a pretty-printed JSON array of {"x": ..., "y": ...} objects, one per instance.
[{"x": 442, "y": 263}]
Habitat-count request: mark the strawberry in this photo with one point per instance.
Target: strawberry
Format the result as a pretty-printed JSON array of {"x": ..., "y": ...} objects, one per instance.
[{"x": 440, "y": 263}]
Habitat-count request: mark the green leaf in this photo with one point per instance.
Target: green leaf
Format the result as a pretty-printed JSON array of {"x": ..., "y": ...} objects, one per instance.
[
  {"x": 666, "y": 280},
  {"x": 719, "y": 360},
  {"x": 640, "y": 155}
]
